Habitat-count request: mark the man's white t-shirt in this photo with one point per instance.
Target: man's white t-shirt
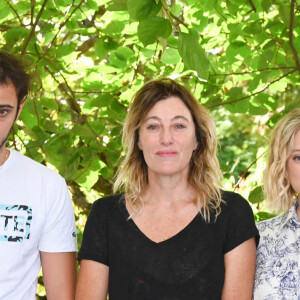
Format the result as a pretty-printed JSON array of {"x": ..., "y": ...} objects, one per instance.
[{"x": 36, "y": 214}]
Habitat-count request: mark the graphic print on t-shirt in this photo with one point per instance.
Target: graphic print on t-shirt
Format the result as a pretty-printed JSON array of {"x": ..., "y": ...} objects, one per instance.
[{"x": 15, "y": 221}]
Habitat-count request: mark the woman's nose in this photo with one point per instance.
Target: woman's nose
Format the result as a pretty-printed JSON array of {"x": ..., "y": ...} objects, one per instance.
[{"x": 166, "y": 137}]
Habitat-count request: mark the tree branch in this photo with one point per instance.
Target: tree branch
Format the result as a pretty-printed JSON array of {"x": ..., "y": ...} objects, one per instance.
[
  {"x": 253, "y": 94},
  {"x": 16, "y": 13},
  {"x": 251, "y": 72},
  {"x": 291, "y": 37},
  {"x": 63, "y": 24},
  {"x": 252, "y": 5},
  {"x": 32, "y": 32},
  {"x": 246, "y": 171},
  {"x": 78, "y": 197}
]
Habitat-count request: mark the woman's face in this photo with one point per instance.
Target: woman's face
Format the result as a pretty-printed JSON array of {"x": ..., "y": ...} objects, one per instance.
[
  {"x": 293, "y": 164},
  {"x": 167, "y": 138}
]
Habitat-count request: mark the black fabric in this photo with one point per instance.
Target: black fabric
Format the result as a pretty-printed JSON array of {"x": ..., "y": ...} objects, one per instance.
[{"x": 189, "y": 265}]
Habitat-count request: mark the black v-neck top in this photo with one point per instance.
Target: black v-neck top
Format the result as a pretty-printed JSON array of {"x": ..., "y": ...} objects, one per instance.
[{"x": 189, "y": 265}]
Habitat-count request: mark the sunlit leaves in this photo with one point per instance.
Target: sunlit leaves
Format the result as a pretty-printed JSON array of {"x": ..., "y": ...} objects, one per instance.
[
  {"x": 170, "y": 56},
  {"x": 192, "y": 54},
  {"x": 89, "y": 57},
  {"x": 160, "y": 27},
  {"x": 139, "y": 10},
  {"x": 256, "y": 195}
]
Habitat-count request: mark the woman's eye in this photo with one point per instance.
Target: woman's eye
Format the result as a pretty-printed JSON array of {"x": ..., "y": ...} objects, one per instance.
[
  {"x": 152, "y": 127},
  {"x": 179, "y": 126},
  {"x": 297, "y": 158}
]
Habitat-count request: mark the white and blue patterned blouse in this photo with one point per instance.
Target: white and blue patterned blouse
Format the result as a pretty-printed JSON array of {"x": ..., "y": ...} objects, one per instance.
[{"x": 278, "y": 258}]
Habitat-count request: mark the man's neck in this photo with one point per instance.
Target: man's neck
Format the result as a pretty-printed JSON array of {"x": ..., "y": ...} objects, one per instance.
[{"x": 4, "y": 153}]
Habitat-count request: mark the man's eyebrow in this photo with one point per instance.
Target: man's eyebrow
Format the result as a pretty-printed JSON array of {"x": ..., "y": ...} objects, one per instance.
[{"x": 6, "y": 106}]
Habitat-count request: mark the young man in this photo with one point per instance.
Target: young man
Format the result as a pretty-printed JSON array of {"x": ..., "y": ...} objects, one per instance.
[{"x": 36, "y": 217}]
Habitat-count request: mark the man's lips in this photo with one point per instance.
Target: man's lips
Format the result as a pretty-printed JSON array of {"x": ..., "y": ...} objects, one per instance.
[{"x": 166, "y": 153}]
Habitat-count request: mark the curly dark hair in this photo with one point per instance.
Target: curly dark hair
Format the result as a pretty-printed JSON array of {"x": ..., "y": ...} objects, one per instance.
[{"x": 12, "y": 71}]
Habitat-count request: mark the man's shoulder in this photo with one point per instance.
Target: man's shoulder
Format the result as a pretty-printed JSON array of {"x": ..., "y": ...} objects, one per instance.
[{"x": 29, "y": 166}]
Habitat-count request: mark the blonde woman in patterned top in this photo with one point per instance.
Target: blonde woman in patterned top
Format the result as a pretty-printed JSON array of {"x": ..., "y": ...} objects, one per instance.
[{"x": 278, "y": 254}]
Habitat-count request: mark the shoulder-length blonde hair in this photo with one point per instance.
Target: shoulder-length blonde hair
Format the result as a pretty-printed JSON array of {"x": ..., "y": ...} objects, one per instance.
[
  {"x": 277, "y": 186},
  {"x": 204, "y": 171}
]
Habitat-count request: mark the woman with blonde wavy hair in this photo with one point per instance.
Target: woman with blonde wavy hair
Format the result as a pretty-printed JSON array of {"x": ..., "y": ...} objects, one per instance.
[
  {"x": 173, "y": 233},
  {"x": 278, "y": 254}
]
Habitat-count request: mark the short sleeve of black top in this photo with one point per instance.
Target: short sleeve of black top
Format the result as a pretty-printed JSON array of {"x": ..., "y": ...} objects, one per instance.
[{"x": 189, "y": 265}]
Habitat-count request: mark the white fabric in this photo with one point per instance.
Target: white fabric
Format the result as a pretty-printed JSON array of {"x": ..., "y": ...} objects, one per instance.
[
  {"x": 278, "y": 258},
  {"x": 36, "y": 214}
]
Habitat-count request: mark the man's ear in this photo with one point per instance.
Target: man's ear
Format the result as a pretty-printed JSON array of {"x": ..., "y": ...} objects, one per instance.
[{"x": 21, "y": 105}]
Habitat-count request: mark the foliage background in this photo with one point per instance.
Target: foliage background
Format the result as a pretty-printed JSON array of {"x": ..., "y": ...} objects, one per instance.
[{"x": 88, "y": 57}]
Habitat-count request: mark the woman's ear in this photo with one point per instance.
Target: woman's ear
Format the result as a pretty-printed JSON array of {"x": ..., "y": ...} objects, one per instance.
[
  {"x": 196, "y": 144},
  {"x": 140, "y": 145}
]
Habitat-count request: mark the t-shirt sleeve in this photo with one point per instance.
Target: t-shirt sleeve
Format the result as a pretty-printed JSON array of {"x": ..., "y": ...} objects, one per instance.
[
  {"x": 241, "y": 225},
  {"x": 59, "y": 230},
  {"x": 95, "y": 236}
]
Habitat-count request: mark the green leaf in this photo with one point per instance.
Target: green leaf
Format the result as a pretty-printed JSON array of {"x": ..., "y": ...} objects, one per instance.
[
  {"x": 124, "y": 53},
  {"x": 284, "y": 12},
  {"x": 152, "y": 28},
  {"x": 61, "y": 3},
  {"x": 88, "y": 179},
  {"x": 256, "y": 109},
  {"x": 14, "y": 35},
  {"x": 98, "y": 126},
  {"x": 210, "y": 4},
  {"x": 267, "y": 101},
  {"x": 101, "y": 49},
  {"x": 28, "y": 119},
  {"x": 266, "y": 4},
  {"x": 192, "y": 54},
  {"x": 263, "y": 215},
  {"x": 240, "y": 107},
  {"x": 117, "y": 5},
  {"x": 5, "y": 11},
  {"x": 140, "y": 10},
  {"x": 117, "y": 107},
  {"x": 90, "y": 176},
  {"x": 83, "y": 131},
  {"x": 107, "y": 172},
  {"x": 65, "y": 50},
  {"x": 49, "y": 103},
  {"x": 170, "y": 56},
  {"x": 50, "y": 126},
  {"x": 253, "y": 28},
  {"x": 70, "y": 167},
  {"x": 91, "y": 5},
  {"x": 99, "y": 101},
  {"x": 232, "y": 8},
  {"x": 254, "y": 83},
  {"x": 266, "y": 58},
  {"x": 114, "y": 27}
]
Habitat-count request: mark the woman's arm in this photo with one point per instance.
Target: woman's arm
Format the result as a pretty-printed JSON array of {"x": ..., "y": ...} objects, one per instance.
[
  {"x": 240, "y": 272},
  {"x": 93, "y": 281}
]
